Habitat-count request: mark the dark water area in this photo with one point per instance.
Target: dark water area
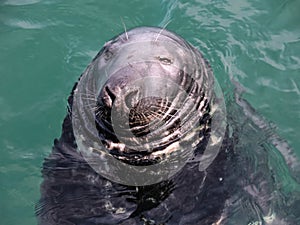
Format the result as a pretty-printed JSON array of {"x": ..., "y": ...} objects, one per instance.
[{"x": 252, "y": 46}]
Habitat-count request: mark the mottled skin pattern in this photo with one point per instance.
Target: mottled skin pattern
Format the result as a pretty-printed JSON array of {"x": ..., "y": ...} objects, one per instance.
[{"x": 73, "y": 193}]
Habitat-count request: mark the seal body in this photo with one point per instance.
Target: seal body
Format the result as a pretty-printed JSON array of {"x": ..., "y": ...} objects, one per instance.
[{"x": 142, "y": 106}]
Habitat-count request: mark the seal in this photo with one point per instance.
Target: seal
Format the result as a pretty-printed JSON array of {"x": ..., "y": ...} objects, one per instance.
[
  {"x": 147, "y": 108},
  {"x": 140, "y": 121}
]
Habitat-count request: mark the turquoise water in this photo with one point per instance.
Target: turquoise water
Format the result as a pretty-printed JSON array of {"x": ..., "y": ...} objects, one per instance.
[{"x": 252, "y": 46}]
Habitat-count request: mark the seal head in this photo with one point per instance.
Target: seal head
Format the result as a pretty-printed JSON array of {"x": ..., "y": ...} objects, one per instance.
[{"x": 144, "y": 100}]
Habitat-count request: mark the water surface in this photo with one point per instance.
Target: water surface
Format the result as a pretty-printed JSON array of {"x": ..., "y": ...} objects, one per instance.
[{"x": 252, "y": 46}]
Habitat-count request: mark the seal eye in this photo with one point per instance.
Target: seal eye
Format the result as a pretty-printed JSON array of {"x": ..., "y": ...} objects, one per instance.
[
  {"x": 165, "y": 60},
  {"x": 107, "y": 54}
]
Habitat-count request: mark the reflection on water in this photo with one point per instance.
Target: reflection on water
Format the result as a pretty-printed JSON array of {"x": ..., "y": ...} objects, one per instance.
[{"x": 253, "y": 48}]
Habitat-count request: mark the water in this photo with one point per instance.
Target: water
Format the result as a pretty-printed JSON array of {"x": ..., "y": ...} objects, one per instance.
[{"x": 252, "y": 46}]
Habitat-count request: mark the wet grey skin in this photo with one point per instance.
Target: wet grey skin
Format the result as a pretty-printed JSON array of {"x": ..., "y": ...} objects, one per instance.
[{"x": 72, "y": 192}]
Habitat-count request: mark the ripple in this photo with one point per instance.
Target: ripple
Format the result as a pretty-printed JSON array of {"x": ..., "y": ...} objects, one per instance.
[
  {"x": 22, "y": 2},
  {"x": 25, "y": 24},
  {"x": 277, "y": 50},
  {"x": 296, "y": 88},
  {"x": 268, "y": 82},
  {"x": 171, "y": 5}
]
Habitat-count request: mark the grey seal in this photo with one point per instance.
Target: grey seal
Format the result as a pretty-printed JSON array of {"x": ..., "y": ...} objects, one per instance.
[
  {"x": 150, "y": 94},
  {"x": 139, "y": 122}
]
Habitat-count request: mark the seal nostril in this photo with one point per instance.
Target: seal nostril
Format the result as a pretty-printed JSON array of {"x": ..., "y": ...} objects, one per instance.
[
  {"x": 107, "y": 54},
  {"x": 110, "y": 94}
]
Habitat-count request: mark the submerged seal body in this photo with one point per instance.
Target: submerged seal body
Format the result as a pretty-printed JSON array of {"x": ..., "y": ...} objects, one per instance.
[{"x": 140, "y": 120}]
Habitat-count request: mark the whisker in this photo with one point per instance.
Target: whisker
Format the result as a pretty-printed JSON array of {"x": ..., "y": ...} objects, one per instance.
[
  {"x": 90, "y": 105},
  {"x": 89, "y": 98},
  {"x": 125, "y": 29},
  {"x": 90, "y": 92},
  {"x": 164, "y": 114},
  {"x": 135, "y": 69},
  {"x": 87, "y": 95},
  {"x": 99, "y": 113},
  {"x": 163, "y": 28}
]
